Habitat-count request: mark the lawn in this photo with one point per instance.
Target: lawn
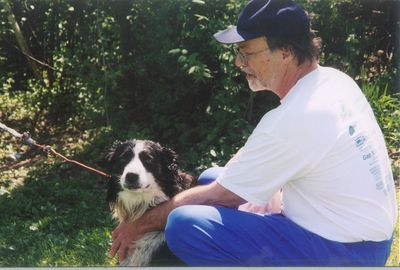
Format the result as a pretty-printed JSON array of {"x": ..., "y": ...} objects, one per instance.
[
  {"x": 55, "y": 219},
  {"x": 394, "y": 259}
]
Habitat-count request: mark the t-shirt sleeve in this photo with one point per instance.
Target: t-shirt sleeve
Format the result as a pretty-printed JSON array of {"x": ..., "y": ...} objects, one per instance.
[{"x": 261, "y": 167}]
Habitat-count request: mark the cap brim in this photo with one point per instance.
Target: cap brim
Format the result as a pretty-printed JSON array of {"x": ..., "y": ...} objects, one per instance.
[
  {"x": 232, "y": 35},
  {"x": 229, "y": 36}
]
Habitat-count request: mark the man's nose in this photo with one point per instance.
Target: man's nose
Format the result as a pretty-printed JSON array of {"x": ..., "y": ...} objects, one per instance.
[{"x": 239, "y": 62}]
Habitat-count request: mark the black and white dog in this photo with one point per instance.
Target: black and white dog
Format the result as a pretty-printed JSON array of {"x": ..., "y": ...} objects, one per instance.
[{"x": 145, "y": 174}]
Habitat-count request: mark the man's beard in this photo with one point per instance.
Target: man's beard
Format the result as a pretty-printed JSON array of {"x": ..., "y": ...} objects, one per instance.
[{"x": 255, "y": 85}]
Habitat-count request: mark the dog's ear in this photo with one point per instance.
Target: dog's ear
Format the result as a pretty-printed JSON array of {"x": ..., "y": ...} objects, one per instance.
[
  {"x": 112, "y": 155},
  {"x": 171, "y": 159},
  {"x": 112, "y": 191},
  {"x": 108, "y": 158},
  {"x": 112, "y": 150}
]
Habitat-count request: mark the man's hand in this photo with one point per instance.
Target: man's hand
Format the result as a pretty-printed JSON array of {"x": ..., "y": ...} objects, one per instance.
[
  {"x": 123, "y": 238},
  {"x": 126, "y": 233},
  {"x": 274, "y": 206}
]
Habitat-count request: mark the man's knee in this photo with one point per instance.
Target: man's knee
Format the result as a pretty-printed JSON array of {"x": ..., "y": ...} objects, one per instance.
[
  {"x": 178, "y": 224},
  {"x": 185, "y": 225},
  {"x": 209, "y": 175}
]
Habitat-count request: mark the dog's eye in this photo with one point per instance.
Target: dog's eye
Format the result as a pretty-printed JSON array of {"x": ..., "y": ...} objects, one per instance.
[
  {"x": 126, "y": 156},
  {"x": 145, "y": 157},
  {"x": 121, "y": 160}
]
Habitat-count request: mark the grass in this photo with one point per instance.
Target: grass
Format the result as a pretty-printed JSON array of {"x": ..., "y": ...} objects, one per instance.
[
  {"x": 53, "y": 214},
  {"x": 55, "y": 220},
  {"x": 394, "y": 258}
]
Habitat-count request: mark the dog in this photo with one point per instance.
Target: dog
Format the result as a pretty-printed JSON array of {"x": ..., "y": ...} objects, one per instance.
[{"x": 144, "y": 174}]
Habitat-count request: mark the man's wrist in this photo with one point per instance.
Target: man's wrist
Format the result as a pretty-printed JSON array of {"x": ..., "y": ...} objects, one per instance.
[{"x": 153, "y": 220}]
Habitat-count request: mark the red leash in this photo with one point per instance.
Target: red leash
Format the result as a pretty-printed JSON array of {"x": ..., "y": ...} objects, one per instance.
[
  {"x": 49, "y": 149},
  {"x": 25, "y": 137}
]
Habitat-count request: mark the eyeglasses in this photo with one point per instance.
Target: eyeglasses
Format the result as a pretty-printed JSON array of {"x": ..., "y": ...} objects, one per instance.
[{"x": 244, "y": 57}]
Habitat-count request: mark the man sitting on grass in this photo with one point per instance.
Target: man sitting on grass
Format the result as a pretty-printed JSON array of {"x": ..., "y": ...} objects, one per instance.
[{"x": 322, "y": 146}]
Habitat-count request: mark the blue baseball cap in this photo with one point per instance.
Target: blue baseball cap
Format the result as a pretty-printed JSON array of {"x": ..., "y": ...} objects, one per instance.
[{"x": 264, "y": 18}]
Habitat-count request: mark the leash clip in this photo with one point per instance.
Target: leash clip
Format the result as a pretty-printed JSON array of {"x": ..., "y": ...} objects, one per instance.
[
  {"x": 26, "y": 138},
  {"x": 47, "y": 149}
]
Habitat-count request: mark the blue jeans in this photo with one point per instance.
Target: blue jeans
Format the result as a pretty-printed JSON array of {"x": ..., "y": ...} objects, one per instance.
[{"x": 217, "y": 236}]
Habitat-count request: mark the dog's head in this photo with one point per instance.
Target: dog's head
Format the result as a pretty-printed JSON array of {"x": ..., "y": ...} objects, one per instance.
[{"x": 143, "y": 166}]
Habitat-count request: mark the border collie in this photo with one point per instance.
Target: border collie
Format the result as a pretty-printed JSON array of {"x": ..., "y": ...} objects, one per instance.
[{"x": 145, "y": 174}]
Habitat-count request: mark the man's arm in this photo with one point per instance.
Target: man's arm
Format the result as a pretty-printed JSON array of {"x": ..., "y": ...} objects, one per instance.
[{"x": 155, "y": 219}]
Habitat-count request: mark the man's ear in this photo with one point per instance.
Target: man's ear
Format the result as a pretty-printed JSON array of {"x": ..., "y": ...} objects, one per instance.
[{"x": 287, "y": 55}]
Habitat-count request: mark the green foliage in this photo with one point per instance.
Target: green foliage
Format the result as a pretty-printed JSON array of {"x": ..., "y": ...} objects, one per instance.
[
  {"x": 356, "y": 33},
  {"x": 145, "y": 69},
  {"x": 386, "y": 108},
  {"x": 394, "y": 258}
]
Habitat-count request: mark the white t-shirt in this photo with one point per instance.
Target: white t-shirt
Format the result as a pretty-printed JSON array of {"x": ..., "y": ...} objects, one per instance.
[{"x": 323, "y": 146}]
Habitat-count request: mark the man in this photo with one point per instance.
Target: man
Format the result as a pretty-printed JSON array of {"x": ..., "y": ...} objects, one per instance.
[{"x": 321, "y": 146}]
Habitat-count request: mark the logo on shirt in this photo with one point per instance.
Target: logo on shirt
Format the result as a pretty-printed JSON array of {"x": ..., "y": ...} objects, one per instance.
[
  {"x": 351, "y": 130},
  {"x": 360, "y": 141}
]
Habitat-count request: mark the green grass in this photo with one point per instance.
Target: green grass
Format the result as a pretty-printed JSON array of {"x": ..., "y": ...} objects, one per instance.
[
  {"x": 55, "y": 218},
  {"x": 394, "y": 258}
]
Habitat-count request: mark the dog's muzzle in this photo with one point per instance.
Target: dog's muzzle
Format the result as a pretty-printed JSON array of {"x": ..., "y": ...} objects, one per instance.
[{"x": 132, "y": 181}]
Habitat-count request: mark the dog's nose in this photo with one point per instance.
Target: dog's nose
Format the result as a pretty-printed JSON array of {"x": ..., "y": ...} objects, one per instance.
[{"x": 132, "y": 180}]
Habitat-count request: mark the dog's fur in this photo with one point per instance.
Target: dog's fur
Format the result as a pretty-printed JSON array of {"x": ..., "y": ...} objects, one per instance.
[{"x": 145, "y": 174}]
